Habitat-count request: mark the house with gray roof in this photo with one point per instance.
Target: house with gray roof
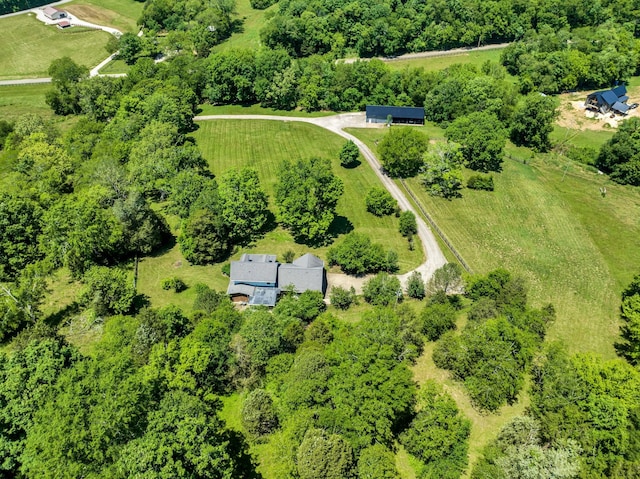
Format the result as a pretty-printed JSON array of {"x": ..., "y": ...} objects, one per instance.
[
  {"x": 258, "y": 279},
  {"x": 53, "y": 13}
]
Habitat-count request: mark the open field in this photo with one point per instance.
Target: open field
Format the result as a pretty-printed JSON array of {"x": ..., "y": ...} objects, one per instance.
[
  {"x": 547, "y": 222},
  {"x": 476, "y": 58},
  {"x": 30, "y": 46},
  {"x": 262, "y": 145},
  {"x": 207, "y": 109},
  {"x": 115, "y": 66},
  {"x": 18, "y": 100},
  {"x": 120, "y": 14},
  {"x": 250, "y": 22}
]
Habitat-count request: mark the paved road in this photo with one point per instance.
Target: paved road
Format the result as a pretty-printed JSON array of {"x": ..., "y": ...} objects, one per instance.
[
  {"x": 336, "y": 124},
  {"x": 433, "y": 54}
]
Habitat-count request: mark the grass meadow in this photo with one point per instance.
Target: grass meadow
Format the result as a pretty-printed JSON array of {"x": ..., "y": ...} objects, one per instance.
[
  {"x": 263, "y": 145},
  {"x": 547, "y": 222},
  {"x": 30, "y": 46},
  {"x": 250, "y": 22},
  {"x": 120, "y": 14},
  {"x": 476, "y": 58}
]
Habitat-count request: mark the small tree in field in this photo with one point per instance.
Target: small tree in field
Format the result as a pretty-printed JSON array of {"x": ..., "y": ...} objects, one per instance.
[
  {"x": 401, "y": 152},
  {"x": 446, "y": 279},
  {"x": 382, "y": 290},
  {"x": 408, "y": 225},
  {"x": 349, "y": 155},
  {"x": 380, "y": 202},
  {"x": 342, "y": 298},
  {"x": 415, "y": 286}
]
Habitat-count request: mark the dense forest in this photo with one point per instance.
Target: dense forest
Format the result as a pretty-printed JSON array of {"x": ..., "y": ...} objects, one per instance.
[{"x": 331, "y": 398}]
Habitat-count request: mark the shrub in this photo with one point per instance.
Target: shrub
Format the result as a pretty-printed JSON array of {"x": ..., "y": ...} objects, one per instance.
[
  {"x": 349, "y": 155},
  {"x": 357, "y": 254},
  {"x": 480, "y": 182},
  {"x": 382, "y": 290},
  {"x": 342, "y": 298},
  {"x": 174, "y": 283},
  {"x": 258, "y": 415},
  {"x": 408, "y": 226},
  {"x": 415, "y": 286},
  {"x": 261, "y": 4},
  {"x": 437, "y": 319},
  {"x": 380, "y": 202},
  {"x": 288, "y": 256},
  {"x": 226, "y": 269}
]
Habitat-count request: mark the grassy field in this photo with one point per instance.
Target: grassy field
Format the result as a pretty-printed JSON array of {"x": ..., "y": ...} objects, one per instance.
[
  {"x": 18, "y": 100},
  {"x": 476, "y": 58},
  {"x": 582, "y": 138},
  {"x": 120, "y": 14},
  {"x": 262, "y": 145},
  {"x": 206, "y": 109},
  {"x": 115, "y": 66},
  {"x": 251, "y": 22},
  {"x": 547, "y": 222},
  {"x": 30, "y": 46}
]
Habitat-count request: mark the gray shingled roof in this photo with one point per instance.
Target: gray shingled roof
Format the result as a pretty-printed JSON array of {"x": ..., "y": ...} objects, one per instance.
[
  {"x": 254, "y": 268},
  {"x": 305, "y": 273}
]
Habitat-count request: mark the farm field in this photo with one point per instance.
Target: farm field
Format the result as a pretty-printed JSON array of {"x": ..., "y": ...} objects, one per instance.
[
  {"x": 262, "y": 145},
  {"x": 120, "y": 14},
  {"x": 547, "y": 222},
  {"x": 31, "y": 46}
]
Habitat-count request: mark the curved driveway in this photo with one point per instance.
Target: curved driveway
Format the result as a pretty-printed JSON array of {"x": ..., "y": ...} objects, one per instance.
[{"x": 336, "y": 124}]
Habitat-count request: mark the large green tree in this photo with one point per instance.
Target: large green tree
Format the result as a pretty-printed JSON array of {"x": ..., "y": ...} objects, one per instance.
[
  {"x": 243, "y": 203},
  {"x": 401, "y": 151},
  {"x": 307, "y": 195},
  {"x": 20, "y": 227},
  {"x": 620, "y": 155},
  {"x": 482, "y": 137},
  {"x": 324, "y": 455},
  {"x": 532, "y": 122},
  {"x": 442, "y": 172},
  {"x": 630, "y": 330}
]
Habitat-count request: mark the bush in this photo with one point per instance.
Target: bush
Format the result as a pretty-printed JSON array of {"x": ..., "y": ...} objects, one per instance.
[
  {"x": 342, "y": 298},
  {"x": 480, "y": 182},
  {"x": 258, "y": 415},
  {"x": 261, "y": 4},
  {"x": 380, "y": 202},
  {"x": 349, "y": 155},
  {"x": 382, "y": 290},
  {"x": 408, "y": 226},
  {"x": 226, "y": 269},
  {"x": 415, "y": 286},
  {"x": 174, "y": 283},
  {"x": 288, "y": 256},
  {"x": 357, "y": 254},
  {"x": 437, "y": 319}
]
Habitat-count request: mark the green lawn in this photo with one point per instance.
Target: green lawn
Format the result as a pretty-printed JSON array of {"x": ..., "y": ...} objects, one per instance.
[
  {"x": 547, "y": 222},
  {"x": 476, "y": 58},
  {"x": 262, "y": 145},
  {"x": 206, "y": 109},
  {"x": 251, "y": 22},
  {"x": 590, "y": 138},
  {"x": 30, "y": 46},
  {"x": 115, "y": 66},
  {"x": 18, "y": 100},
  {"x": 120, "y": 14}
]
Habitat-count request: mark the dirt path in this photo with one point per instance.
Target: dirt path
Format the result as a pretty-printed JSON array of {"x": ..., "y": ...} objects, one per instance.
[{"x": 336, "y": 124}]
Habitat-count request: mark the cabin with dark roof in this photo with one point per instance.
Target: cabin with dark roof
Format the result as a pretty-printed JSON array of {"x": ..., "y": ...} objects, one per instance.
[
  {"x": 407, "y": 115},
  {"x": 258, "y": 279},
  {"x": 614, "y": 100}
]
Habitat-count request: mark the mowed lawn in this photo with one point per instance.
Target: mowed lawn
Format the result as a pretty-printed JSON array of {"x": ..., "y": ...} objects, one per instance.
[
  {"x": 263, "y": 145},
  {"x": 476, "y": 58},
  {"x": 29, "y": 46},
  {"x": 18, "y": 100},
  {"x": 120, "y": 14},
  {"x": 250, "y": 22}
]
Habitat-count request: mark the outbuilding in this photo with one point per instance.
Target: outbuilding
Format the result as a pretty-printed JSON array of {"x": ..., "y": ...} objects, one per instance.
[
  {"x": 407, "y": 115},
  {"x": 53, "y": 13},
  {"x": 614, "y": 100}
]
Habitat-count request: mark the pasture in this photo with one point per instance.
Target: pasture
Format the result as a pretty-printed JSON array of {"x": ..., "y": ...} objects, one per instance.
[
  {"x": 30, "y": 46},
  {"x": 263, "y": 145},
  {"x": 548, "y": 223},
  {"x": 120, "y": 14}
]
